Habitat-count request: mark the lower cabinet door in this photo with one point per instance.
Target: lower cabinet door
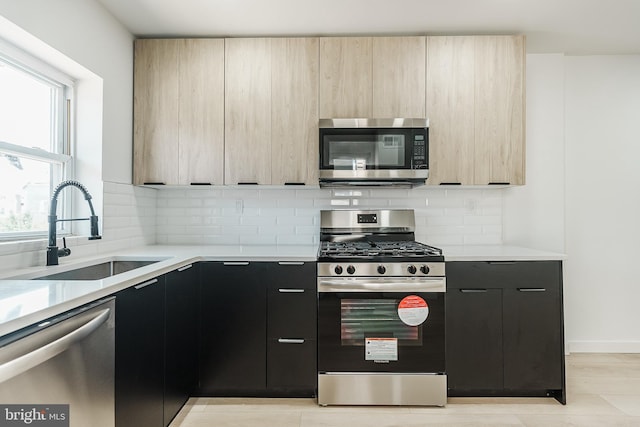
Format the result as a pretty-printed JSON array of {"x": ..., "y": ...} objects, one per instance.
[
  {"x": 291, "y": 366},
  {"x": 533, "y": 349},
  {"x": 181, "y": 339},
  {"x": 139, "y": 379},
  {"x": 474, "y": 339}
]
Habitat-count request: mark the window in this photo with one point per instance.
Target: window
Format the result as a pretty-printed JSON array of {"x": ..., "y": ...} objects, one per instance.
[{"x": 34, "y": 144}]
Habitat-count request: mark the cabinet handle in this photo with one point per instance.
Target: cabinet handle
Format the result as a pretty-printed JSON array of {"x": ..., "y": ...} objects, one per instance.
[
  {"x": 294, "y": 183},
  {"x": 473, "y": 291},
  {"x": 236, "y": 263},
  {"x": 290, "y": 291},
  {"x": 145, "y": 284},
  {"x": 290, "y": 341},
  {"x": 532, "y": 290},
  {"x": 450, "y": 183},
  {"x": 247, "y": 183},
  {"x": 153, "y": 183},
  {"x": 499, "y": 183},
  {"x": 186, "y": 267},
  {"x": 200, "y": 183},
  {"x": 291, "y": 262}
]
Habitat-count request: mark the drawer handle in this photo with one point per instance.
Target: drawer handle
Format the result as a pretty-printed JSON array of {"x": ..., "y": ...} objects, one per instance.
[
  {"x": 145, "y": 284},
  {"x": 186, "y": 267},
  {"x": 290, "y": 262},
  {"x": 290, "y": 341},
  {"x": 531, "y": 290},
  {"x": 473, "y": 291},
  {"x": 236, "y": 263},
  {"x": 290, "y": 291}
]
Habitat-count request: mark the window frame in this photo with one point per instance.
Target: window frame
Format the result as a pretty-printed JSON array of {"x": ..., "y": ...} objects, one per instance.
[{"x": 62, "y": 151}]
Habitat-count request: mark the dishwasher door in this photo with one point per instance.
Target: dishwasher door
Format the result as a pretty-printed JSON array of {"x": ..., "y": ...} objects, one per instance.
[{"x": 67, "y": 360}]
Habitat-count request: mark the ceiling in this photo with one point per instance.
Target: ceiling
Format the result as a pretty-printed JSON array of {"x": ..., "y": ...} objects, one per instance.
[{"x": 578, "y": 27}]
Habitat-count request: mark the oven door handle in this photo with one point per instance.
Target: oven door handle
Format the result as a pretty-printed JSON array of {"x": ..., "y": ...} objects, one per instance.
[{"x": 422, "y": 284}]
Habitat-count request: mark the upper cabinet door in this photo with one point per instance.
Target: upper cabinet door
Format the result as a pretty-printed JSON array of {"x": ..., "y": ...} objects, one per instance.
[
  {"x": 399, "y": 77},
  {"x": 155, "y": 111},
  {"x": 499, "y": 108},
  {"x": 345, "y": 77},
  {"x": 294, "y": 111},
  {"x": 247, "y": 111},
  {"x": 451, "y": 109},
  {"x": 201, "y": 111}
]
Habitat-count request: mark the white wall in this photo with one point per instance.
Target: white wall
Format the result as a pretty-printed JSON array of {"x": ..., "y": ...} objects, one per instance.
[
  {"x": 534, "y": 213},
  {"x": 602, "y": 117},
  {"x": 84, "y": 32}
]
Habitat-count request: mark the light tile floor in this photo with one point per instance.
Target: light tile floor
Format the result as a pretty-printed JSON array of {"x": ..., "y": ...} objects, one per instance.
[{"x": 602, "y": 390}]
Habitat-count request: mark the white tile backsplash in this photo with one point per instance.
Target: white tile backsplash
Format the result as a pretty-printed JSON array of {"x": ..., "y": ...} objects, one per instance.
[{"x": 283, "y": 216}]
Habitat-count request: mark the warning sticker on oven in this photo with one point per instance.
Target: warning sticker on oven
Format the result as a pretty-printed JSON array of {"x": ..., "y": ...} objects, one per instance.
[
  {"x": 381, "y": 349},
  {"x": 413, "y": 310}
]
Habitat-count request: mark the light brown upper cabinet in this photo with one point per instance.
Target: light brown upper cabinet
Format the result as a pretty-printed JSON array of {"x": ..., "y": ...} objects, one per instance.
[
  {"x": 399, "y": 77},
  {"x": 379, "y": 77},
  {"x": 178, "y": 111},
  {"x": 271, "y": 111},
  {"x": 475, "y": 106},
  {"x": 499, "y": 107},
  {"x": 294, "y": 111},
  {"x": 247, "y": 111}
]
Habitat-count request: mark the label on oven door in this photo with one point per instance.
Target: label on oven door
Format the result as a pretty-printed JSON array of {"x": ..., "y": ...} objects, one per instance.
[
  {"x": 413, "y": 310},
  {"x": 381, "y": 349}
]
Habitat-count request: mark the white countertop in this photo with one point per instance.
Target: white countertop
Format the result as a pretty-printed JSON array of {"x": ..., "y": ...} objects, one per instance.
[
  {"x": 498, "y": 253},
  {"x": 25, "y": 302}
]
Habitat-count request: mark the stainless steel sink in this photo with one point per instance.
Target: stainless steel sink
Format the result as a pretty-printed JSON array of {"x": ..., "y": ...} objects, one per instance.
[{"x": 96, "y": 271}]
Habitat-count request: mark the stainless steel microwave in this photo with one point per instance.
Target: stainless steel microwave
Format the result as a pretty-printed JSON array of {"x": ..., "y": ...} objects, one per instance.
[{"x": 373, "y": 152}]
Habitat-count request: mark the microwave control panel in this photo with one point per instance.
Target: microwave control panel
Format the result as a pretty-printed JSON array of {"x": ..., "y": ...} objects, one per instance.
[{"x": 420, "y": 147}]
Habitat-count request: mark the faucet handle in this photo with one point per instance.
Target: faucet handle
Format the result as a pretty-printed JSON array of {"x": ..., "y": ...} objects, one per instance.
[{"x": 64, "y": 251}]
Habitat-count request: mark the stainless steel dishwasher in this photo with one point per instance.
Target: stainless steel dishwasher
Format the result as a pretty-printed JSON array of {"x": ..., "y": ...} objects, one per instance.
[{"x": 67, "y": 360}]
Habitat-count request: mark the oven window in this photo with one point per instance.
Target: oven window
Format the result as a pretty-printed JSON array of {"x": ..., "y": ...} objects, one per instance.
[{"x": 374, "y": 318}]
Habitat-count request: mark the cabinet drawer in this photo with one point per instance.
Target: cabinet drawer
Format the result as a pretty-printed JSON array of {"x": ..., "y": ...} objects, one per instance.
[
  {"x": 291, "y": 366},
  {"x": 291, "y": 312},
  {"x": 292, "y": 275},
  {"x": 504, "y": 275}
]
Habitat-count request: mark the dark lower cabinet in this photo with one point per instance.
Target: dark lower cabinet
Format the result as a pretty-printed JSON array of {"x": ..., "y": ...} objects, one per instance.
[
  {"x": 233, "y": 329},
  {"x": 474, "y": 339},
  {"x": 139, "y": 364},
  {"x": 292, "y": 329},
  {"x": 181, "y": 339},
  {"x": 505, "y": 329},
  {"x": 156, "y": 348},
  {"x": 258, "y": 329}
]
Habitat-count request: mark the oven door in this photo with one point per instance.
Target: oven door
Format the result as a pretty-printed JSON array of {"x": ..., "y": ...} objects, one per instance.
[{"x": 381, "y": 325}]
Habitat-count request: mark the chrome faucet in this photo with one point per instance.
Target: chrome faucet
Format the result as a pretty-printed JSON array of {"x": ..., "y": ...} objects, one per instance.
[{"x": 52, "y": 250}]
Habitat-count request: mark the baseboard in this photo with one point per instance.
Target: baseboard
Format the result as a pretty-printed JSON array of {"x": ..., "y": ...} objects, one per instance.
[{"x": 603, "y": 346}]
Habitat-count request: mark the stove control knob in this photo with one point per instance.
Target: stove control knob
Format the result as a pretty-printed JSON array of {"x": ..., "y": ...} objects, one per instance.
[
  {"x": 424, "y": 269},
  {"x": 338, "y": 269},
  {"x": 382, "y": 269},
  {"x": 351, "y": 269},
  {"x": 412, "y": 269}
]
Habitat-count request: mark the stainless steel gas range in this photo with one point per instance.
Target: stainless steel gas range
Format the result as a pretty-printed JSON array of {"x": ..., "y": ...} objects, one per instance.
[{"x": 381, "y": 320}]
